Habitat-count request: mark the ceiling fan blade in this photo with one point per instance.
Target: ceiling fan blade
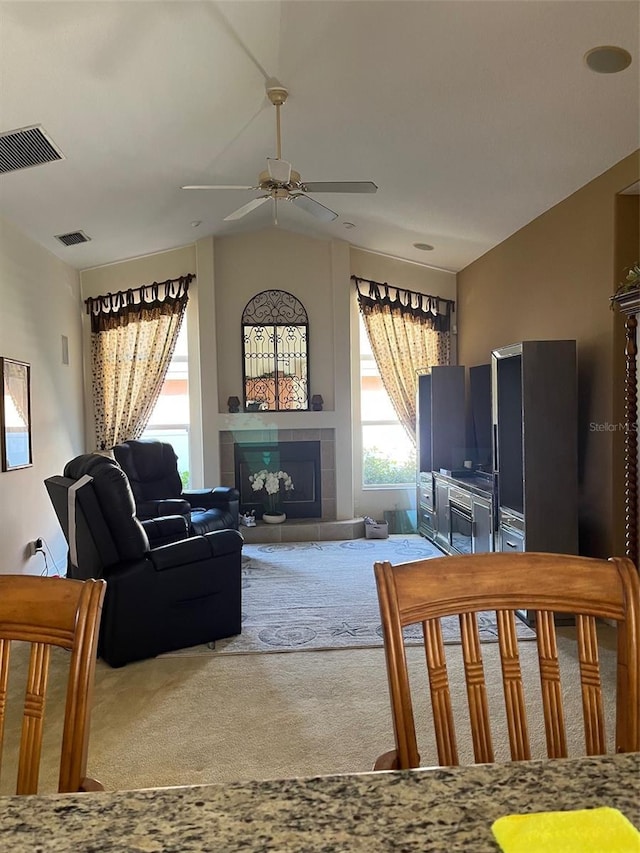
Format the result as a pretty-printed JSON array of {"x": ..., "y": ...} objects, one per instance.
[
  {"x": 340, "y": 187},
  {"x": 216, "y": 187},
  {"x": 279, "y": 170},
  {"x": 313, "y": 207},
  {"x": 247, "y": 208}
]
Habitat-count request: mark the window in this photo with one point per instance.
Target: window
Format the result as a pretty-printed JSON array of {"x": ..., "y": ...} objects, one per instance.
[
  {"x": 169, "y": 420},
  {"x": 388, "y": 454}
]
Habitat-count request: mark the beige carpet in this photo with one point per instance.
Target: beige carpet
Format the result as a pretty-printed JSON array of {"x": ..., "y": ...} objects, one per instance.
[
  {"x": 177, "y": 721},
  {"x": 300, "y": 596}
]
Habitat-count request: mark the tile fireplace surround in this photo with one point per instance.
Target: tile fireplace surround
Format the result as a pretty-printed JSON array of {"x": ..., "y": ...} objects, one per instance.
[{"x": 300, "y": 529}]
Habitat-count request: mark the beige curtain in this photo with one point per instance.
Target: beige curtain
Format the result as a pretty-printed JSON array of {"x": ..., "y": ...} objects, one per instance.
[
  {"x": 408, "y": 332},
  {"x": 133, "y": 336}
]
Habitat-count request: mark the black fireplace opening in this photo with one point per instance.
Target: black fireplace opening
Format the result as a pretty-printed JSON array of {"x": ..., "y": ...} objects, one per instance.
[{"x": 299, "y": 459}]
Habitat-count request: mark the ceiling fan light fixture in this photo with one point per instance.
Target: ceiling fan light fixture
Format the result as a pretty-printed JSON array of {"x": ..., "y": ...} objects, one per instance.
[
  {"x": 607, "y": 59},
  {"x": 279, "y": 170}
]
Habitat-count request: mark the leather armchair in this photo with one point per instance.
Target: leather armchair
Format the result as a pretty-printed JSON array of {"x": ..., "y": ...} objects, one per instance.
[
  {"x": 152, "y": 469},
  {"x": 157, "y": 599}
]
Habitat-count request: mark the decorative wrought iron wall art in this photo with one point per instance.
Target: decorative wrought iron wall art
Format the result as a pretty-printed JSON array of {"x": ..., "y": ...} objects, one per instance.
[
  {"x": 275, "y": 342},
  {"x": 15, "y": 414}
]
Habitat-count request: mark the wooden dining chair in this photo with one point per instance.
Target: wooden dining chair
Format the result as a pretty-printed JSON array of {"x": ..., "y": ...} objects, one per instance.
[
  {"x": 423, "y": 591},
  {"x": 47, "y": 612}
]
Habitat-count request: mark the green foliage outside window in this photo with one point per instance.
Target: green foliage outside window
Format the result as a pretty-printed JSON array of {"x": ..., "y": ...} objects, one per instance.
[{"x": 379, "y": 469}]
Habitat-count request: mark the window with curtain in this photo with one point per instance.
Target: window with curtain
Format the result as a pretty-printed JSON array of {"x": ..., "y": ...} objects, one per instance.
[
  {"x": 388, "y": 454},
  {"x": 169, "y": 420},
  {"x": 133, "y": 338},
  {"x": 404, "y": 332}
]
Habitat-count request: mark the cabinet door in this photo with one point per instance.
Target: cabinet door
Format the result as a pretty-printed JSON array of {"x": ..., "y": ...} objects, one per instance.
[
  {"x": 508, "y": 414},
  {"x": 482, "y": 529},
  {"x": 442, "y": 514},
  {"x": 426, "y": 522}
]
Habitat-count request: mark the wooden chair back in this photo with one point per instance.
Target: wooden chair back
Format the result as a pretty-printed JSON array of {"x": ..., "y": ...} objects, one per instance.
[
  {"x": 423, "y": 591},
  {"x": 47, "y": 612}
]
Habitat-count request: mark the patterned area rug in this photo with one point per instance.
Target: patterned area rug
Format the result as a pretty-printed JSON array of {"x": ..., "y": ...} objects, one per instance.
[{"x": 322, "y": 595}]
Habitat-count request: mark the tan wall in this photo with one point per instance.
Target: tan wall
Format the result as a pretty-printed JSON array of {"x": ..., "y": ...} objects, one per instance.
[
  {"x": 135, "y": 272},
  {"x": 552, "y": 280},
  {"x": 40, "y": 297}
]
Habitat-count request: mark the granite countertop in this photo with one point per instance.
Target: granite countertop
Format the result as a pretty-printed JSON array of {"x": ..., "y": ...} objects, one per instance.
[{"x": 422, "y": 810}]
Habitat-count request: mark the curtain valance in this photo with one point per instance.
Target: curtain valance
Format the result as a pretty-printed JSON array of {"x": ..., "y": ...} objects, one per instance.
[
  {"x": 118, "y": 309},
  {"x": 433, "y": 311}
]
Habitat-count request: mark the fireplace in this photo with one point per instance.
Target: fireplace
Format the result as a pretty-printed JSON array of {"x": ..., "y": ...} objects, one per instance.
[{"x": 300, "y": 459}]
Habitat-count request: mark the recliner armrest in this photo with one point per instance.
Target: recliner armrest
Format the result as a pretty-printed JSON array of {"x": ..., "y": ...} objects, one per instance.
[
  {"x": 164, "y": 507},
  {"x": 215, "y": 544},
  {"x": 220, "y": 497},
  {"x": 166, "y": 529},
  {"x": 224, "y": 542},
  {"x": 180, "y": 553}
]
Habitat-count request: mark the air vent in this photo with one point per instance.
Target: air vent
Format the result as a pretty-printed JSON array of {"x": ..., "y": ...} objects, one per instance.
[
  {"x": 26, "y": 147},
  {"x": 73, "y": 238}
]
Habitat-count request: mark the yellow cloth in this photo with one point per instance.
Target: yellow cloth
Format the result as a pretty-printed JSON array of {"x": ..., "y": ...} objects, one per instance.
[{"x": 602, "y": 830}]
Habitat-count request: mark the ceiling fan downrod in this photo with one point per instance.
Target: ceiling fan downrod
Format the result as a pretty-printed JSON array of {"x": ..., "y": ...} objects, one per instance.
[{"x": 278, "y": 96}]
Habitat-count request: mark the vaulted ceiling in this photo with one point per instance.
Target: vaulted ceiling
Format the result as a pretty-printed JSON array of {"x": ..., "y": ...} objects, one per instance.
[{"x": 472, "y": 117}]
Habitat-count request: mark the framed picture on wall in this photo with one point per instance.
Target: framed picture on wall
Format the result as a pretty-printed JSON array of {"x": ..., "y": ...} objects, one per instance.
[{"x": 15, "y": 414}]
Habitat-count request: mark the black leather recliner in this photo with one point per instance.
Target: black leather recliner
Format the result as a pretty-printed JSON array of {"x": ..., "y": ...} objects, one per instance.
[
  {"x": 158, "y": 599},
  {"x": 152, "y": 469}
]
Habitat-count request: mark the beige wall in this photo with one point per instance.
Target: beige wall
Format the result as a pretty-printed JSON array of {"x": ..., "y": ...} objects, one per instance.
[
  {"x": 274, "y": 259},
  {"x": 552, "y": 279},
  {"x": 40, "y": 297}
]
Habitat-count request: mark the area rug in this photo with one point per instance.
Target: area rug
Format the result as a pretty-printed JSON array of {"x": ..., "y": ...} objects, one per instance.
[{"x": 322, "y": 595}]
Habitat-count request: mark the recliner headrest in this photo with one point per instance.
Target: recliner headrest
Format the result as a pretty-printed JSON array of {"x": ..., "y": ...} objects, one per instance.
[
  {"x": 152, "y": 468},
  {"x": 115, "y": 497}
]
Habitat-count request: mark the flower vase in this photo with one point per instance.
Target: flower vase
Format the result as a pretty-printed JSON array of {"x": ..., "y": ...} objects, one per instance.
[{"x": 274, "y": 517}]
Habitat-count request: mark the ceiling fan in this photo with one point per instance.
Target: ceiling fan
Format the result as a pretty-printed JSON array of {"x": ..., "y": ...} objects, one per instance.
[{"x": 281, "y": 182}]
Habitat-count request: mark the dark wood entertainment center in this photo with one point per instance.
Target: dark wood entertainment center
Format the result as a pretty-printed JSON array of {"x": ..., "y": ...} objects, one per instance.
[{"x": 521, "y": 494}]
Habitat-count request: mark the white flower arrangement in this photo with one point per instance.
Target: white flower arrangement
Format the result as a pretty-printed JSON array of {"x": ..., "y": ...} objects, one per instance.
[{"x": 271, "y": 482}]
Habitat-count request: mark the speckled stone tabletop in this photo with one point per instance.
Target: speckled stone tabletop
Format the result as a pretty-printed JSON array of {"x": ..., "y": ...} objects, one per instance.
[{"x": 422, "y": 810}]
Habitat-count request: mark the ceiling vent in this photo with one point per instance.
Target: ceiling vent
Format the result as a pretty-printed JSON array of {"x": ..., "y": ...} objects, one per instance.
[
  {"x": 73, "y": 238},
  {"x": 26, "y": 147}
]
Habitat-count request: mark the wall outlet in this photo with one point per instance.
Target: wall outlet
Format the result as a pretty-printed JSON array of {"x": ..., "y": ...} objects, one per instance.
[{"x": 34, "y": 547}]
